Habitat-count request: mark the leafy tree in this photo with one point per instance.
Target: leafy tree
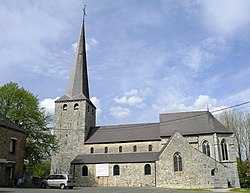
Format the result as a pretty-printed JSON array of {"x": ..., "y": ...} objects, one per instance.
[
  {"x": 244, "y": 173},
  {"x": 22, "y": 107}
]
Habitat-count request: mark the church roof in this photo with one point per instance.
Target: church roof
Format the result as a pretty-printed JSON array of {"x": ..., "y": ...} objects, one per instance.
[
  {"x": 186, "y": 123},
  {"x": 124, "y": 133},
  {"x": 78, "y": 82},
  {"x": 190, "y": 123},
  {"x": 7, "y": 123},
  {"x": 116, "y": 158}
]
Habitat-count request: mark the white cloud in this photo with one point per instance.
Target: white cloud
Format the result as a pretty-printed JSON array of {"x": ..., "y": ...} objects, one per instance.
[
  {"x": 195, "y": 57},
  {"x": 131, "y": 98},
  {"x": 225, "y": 16},
  {"x": 119, "y": 112},
  {"x": 203, "y": 102},
  {"x": 49, "y": 105}
]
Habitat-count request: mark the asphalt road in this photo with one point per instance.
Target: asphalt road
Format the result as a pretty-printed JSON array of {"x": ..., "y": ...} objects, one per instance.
[{"x": 99, "y": 190}]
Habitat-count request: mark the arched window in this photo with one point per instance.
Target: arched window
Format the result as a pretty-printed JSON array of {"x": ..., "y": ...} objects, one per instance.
[
  {"x": 120, "y": 149},
  {"x": 177, "y": 162},
  {"x": 212, "y": 172},
  {"x": 206, "y": 148},
  {"x": 150, "y": 147},
  {"x": 116, "y": 170},
  {"x": 147, "y": 169},
  {"x": 76, "y": 106},
  {"x": 224, "y": 150},
  {"x": 106, "y": 150},
  {"x": 85, "y": 171},
  {"x": 65, "y": 107},
  {"x": 134, "y": 148},
  {"x": 91, "y": 150}
]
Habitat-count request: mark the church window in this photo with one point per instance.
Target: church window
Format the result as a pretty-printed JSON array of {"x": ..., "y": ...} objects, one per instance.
[
  {"x": 76, "y": 106},
  {"x": 93, "y": 112},
  {"x": 106, "y": 150},
  {"x": 116, "y": 170},
  {"x": 177, "y": 162},
  {"x": 84, "y": 170},
  {"x": 91, "y": 150},
  {"x": 224, "y": 150},
  {"x": 147, "y": 169},
  {"x": 65, "y": 107},
  {"x": 206, "y": 148},
  {"x": 212, "y": 172},
  {"x": 88, "y": 108},
  {"x": 150, "y": 147},
  {"x": 120, "y": 149},
  {"x": 135, "y": 148}
]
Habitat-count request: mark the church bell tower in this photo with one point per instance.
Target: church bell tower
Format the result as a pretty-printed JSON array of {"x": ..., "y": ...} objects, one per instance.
[{"x": 75, "y": 114}]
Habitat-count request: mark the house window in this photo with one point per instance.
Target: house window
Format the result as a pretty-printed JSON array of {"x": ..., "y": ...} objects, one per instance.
[
  {"x": 177, "y": 162},
  {"x": 91, "y": 150},
  {"x": 106, "y": 150},
  {"x": 85, "y": 171},
  {"x": 116, "y": 170},
  {"x": 120, "y": 149},
  {"x": 65, "y": 107},
  {"x": 76, "y": 106},
  {"x": 150, "y": 148},
  {"x": 135, "y": 148},
  {"x": 13, "y": 145},
  {"x": 147, "y": 169},
  {"x": 206, "y": 148},
  {"x": 224, "y": 150}
]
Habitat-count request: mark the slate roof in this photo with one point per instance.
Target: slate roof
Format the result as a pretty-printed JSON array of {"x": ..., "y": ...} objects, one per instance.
[
  {"x": 124, "y": 133},
  {"x": 190, "y": 123},
  {"x": 78, "y": 82},
  {"x": 7, "y": 123},
  {"x": 116, "y": 158},
  {"x": 186, "y": 123}
]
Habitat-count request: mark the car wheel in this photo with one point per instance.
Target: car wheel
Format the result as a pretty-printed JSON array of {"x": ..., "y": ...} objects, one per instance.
[
  {"x": 71, "y": 187},
  {"x": 43, "y": 185},
  {"x": 62, "y": 186}
]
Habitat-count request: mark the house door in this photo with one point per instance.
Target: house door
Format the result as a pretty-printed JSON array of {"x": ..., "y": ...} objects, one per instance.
[{"x": 9, "y": 175}]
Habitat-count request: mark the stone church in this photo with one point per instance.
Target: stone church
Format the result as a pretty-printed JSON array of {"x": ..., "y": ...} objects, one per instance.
[{"x": 182, "y": 150}]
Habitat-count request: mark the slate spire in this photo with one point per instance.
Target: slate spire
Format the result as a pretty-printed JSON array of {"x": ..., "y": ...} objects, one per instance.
[{"x": 78, "y": 82}]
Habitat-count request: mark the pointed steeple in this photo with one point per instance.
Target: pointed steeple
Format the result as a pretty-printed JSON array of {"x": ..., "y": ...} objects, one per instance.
[{"x": 78, "y": 82}]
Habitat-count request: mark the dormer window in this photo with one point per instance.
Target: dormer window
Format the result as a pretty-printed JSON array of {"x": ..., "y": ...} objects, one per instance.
[
  {"x": 76, "y": 106},
  {"x": 65, "y": 107}
]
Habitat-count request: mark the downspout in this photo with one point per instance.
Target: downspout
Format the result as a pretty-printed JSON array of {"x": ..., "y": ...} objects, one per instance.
[{"x": 155, "y": 174}]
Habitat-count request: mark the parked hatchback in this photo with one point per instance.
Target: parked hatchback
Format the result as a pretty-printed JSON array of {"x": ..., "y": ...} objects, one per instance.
[{"x": 59, "y": 180}]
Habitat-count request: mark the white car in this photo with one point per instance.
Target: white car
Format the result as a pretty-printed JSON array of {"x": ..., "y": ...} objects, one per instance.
[{"x": 59, "y": 180}]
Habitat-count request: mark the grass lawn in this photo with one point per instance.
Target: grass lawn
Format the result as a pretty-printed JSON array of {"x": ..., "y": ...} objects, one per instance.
[{"x": 240, "y": 190}]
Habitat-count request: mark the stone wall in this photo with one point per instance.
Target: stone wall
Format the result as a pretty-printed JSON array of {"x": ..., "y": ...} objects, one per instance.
[
  {"x": 126, "y": 147},
  {"x": 196, "y": 167},
  {"x": 70, "y": 129},
  {"x": 131, "y": 174}
]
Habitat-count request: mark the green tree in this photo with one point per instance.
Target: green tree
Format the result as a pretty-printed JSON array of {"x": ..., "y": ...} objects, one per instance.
[{"x": 22, "y": 107}]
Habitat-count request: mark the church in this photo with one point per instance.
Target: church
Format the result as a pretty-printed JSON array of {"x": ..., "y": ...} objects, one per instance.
[{"x": 182, "y": 150}]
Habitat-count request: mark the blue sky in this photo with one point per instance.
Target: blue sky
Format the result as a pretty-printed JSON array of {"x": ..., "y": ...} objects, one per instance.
[{"x": 144, "y": 57}]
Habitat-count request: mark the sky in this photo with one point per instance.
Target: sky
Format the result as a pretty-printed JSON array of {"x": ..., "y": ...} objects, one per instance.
[{"x": 144, "y": 57}]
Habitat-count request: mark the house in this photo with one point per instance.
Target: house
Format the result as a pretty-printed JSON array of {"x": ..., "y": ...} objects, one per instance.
[
  {"x": 182, "y": 150},
  {"x": 12, "y": 142}
]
